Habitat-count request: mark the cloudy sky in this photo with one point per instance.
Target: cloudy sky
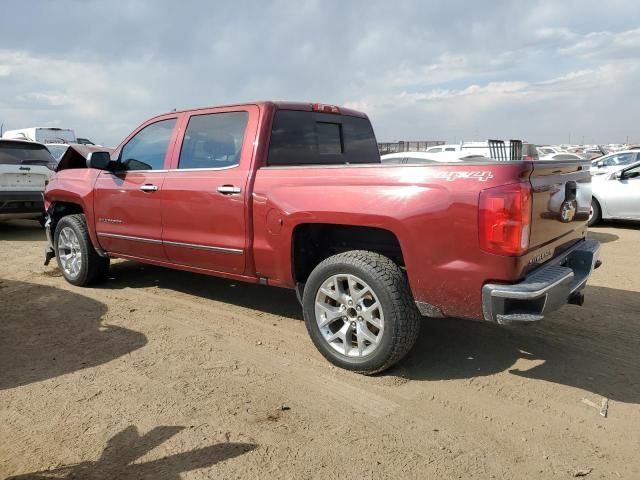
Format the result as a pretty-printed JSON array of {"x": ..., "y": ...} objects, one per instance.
[{"x": 544, "y": 71}]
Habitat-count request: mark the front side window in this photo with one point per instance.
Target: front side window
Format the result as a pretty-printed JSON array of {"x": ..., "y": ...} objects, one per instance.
[
  {"x": 619, "y": 159},
  {"x": 213, "y": 140},
  {"x": 147, "y": 148},
  {"x": 632, "y": 172}
]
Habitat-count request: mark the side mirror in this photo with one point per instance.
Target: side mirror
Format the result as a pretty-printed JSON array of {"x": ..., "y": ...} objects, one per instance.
[
  {"x": 98, "y": 160},
  {"x": 600, "y": 164},
  {"x": 617, "y": 175}
]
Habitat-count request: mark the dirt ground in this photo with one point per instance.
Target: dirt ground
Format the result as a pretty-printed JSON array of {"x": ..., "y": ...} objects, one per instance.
[{"x": 163, "y": 375}]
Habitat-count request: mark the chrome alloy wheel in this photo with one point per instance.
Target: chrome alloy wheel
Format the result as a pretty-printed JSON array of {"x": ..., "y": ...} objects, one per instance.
[
  {"x": 349, "y": 315},
  {"x": 590, "y": 213},
  {"x": 69, "y": 252}
]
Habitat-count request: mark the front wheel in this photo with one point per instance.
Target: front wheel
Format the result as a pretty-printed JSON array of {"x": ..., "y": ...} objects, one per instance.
[
  {"x": 359, "y": 311},
  {"x": 78, "y": 261}
]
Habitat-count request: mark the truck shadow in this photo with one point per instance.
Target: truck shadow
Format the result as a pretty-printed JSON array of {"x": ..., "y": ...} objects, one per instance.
[
  {"x": 21, "y": 231},
  {"x": 602, "y": 237},
  {"x": 276, "y": 301},
  {"x": 126, "y": 447},
  {"x": 594, "y": 348},
  {"x": 626, "y": 224},
  {"x": 46, "y": 332}
]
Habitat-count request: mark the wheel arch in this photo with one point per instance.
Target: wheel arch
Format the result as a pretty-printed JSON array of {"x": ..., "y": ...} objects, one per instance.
[
  {"x": 311, "y": 243},
  {"x": 600, "y": 205},
  {"x": 59, "y": 209}
]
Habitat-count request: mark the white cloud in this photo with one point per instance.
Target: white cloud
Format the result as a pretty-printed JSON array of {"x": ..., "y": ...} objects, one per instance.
[
  {"x": 595, "y": 44},
  {"x": 535, "y": 111}
]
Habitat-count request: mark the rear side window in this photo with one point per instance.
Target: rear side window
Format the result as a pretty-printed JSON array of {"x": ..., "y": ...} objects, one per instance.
[
  {"x": 24, "y": 153},
  {"x": 147, "y": 148},
  {"x": 310, "y": 138},
  {"x": 213, "y": 140}
]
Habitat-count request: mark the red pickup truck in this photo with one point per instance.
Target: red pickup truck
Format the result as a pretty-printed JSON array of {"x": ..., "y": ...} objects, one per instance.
[{"x": 295, "y": 195}]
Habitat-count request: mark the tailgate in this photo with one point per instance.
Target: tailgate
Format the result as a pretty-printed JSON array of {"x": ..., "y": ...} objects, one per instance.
[
  {"x": 561, "y": 203},
  {"x": 23, "y": 177}
]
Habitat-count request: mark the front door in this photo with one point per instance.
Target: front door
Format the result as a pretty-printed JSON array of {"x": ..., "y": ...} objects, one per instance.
[
  {"x": 205, "y": 192},
  {"x": 623, "y": 197},
  {"x": 127, "y": 204}
]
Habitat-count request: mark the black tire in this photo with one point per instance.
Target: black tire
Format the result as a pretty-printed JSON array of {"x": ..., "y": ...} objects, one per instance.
[
  {"x": 388, "y": 282},
  {"x": 93, "y": 267},
  {"x": 597, "y": 213}
]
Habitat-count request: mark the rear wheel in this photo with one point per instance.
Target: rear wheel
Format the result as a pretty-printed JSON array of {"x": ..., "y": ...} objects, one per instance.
[
  {"x": 78, "y": 261},
  {"x": 594, "y": 213},
  {"x": 359, "y": 311}
]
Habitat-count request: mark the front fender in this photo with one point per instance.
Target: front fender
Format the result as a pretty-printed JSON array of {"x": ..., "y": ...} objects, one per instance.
[{"x": 74, "y": 187}]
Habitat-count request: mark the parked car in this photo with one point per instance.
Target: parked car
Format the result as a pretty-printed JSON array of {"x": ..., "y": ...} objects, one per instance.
[
  {"x": 562, "y": 156},
  {"x": 84, "y": 141},
  {"x": 544, "y": 151},
  {"x": 443, "y": 148},
  {"x": 616, "y": 195},
  {"x": 25, "y": 167},
  {"x": 614, "y": 161},
  {"x": 482, "y": 149},
  {"x": 592, "y": 153},
  {"x": 295, "y": 195},
  {"x": 425, "y": 157}
]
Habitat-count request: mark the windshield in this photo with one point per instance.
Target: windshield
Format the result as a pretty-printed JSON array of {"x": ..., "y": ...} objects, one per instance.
[{"x": 24, "y": 153}]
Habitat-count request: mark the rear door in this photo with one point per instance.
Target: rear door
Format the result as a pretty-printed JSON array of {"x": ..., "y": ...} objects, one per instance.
[
  {"x": 205, "y": 193},
  {"x": 127, "y": 203}
]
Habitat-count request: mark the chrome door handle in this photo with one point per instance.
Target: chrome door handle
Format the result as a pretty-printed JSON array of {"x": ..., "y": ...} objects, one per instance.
[
  {"x": 229, "y": 189},
  {"x": 149, "y": 188}
]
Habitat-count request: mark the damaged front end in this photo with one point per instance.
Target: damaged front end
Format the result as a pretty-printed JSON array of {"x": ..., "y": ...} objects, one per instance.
[{"x": 49, "y": 251}]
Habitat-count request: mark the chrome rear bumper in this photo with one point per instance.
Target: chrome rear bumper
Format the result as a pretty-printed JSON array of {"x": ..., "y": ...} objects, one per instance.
[{"x": 546, "y": 289}]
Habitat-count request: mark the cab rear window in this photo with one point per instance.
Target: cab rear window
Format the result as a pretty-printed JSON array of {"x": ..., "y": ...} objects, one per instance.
[{"x": 311, "y": 138}]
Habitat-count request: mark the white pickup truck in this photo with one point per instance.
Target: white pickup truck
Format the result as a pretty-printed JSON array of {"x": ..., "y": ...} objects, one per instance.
[{"x": 24, "y": 168}]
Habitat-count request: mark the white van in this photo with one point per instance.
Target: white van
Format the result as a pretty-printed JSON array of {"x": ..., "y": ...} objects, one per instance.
[{"x": 42, "y": 135}]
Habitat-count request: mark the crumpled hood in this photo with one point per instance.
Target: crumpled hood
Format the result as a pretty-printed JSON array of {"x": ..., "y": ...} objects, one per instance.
[{"x": 76, "y": 156}]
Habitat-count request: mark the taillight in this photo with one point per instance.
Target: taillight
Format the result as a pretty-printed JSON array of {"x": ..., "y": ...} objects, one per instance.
[
  {"x": 505, "y": 219},
  {"x": 320, "y": 107}
]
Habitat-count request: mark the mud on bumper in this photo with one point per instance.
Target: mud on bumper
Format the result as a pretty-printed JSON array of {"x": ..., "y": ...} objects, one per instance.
[{"x": 546, "y": 289}]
